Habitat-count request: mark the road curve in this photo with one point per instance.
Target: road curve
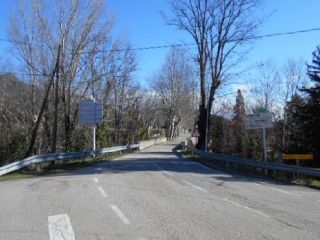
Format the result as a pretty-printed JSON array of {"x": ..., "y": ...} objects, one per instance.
[{"x": 156, "y": 194}]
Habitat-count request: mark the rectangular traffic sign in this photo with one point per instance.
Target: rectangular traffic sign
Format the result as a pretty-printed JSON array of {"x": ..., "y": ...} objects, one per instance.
[
  {"x": 91, "y": 112},
  {"x": 298, "y": 156},
  {"x": 259, "y": 120}
]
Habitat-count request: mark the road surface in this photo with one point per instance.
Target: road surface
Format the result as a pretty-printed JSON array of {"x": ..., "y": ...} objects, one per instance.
[{"x": 156, "y": 194}]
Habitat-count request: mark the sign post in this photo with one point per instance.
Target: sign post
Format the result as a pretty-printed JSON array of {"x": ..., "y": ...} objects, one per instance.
[
  {"x": 91, "y": 113},
  {"x": 94, "y": 129},
  {"x": 264, "y": 144},
  {"x": 261, "y": 120}
]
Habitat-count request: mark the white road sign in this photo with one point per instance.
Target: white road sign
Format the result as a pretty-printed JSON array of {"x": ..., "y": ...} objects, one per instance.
[
  {"x": 195, "y": 133},
  {"x": 259, "y": 120},
  {"x": 91, "y": 112}
]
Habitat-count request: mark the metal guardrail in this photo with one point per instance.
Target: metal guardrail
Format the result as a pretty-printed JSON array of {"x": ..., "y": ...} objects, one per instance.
[
  {"x": 61, "y": 156},
  {"x": 242, "y": 161}
]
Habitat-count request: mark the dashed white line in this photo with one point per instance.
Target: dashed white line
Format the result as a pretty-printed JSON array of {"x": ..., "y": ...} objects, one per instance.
[
  {"x": 96, "y": 180},
  {"x": 168, "y": 173},
  {"x": 195, "y": 186},
  {"x": 122, "y": 217},
  {"x": 286, "y": 192},
  {"x": 156, "y": 165},
  {"x": 245, "y": 207},
  {"x": 258, "y": 184},
  {"x": 103, "y": 193},
  {"x": 278, "y": 190},
  {"x": 161, "y": 169},
  {"x": 213, "y": 170},
  {"x": 60, "y": 227}
]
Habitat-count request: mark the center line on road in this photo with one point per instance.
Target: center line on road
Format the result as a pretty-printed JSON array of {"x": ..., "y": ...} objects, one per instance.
[
  {"x": 103, "y": 193},
  {"x": 122, "y": 217},
  {"x": 60, "y": 227},
  {"x": 245, "y": 207},
  {"x": 195, "y": 186},
  {"x": 156, "y": 165},
  {"x": 161, "y": 169},
  {"x": 96, "y": 180}
]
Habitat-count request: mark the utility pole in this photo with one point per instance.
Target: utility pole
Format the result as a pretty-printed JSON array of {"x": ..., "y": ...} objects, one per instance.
[
  {"x": 56, "y": 105},
  {"x": 43, "y": 106}
]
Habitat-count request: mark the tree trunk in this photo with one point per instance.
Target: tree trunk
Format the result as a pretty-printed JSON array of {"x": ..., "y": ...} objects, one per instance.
[
  {"x": 202, "y": 127},
  {"x": 42, "y": 109},
  {"x": 56, "y": 107}
]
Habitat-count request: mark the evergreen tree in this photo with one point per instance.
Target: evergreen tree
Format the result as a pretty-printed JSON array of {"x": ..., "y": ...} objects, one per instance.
[
  {"x": 218, "y": 134},
  {"x": 239, "y": 129},
  {"x": 296, "y": 134},
  {"x": 311, "y": 114}
]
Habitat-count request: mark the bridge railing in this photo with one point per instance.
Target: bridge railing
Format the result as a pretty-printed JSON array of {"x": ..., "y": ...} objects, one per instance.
[
  {"x": 61, "y": 156},
  {"x": 315, "y": 172}
]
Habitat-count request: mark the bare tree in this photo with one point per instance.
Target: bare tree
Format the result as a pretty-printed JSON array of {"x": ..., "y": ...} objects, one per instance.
[
  {"x": 266, "y": 90},
  {"x": 83, "y": 33},
  {"x": 294, "y": 76},
  {"x": 218, "y": 28},
  {"x": 173, "y": 86}
]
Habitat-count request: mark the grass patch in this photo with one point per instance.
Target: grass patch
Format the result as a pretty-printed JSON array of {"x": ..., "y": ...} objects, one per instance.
[
  {"x": 86, "y": 162},
  {"x": 189, "y": 155},
  {"x": 60, "y": 166},
  {"x": 16, "y": 176},
  {"x": 314, "y": 183}
]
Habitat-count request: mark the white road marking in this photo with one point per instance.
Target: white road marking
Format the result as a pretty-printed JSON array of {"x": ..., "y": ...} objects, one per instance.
[
  {"x": 213, "y": 170},
  {"x": 96, "y": 180},
  {"x": 98, "y": 169},
  {"x": 177, "y": 162},
  {"x": 195, "y": 186},
  {"x": 122, "y": 217},
  {"x": 168, "y": 173},
  {"x": 258, "y": 184},
  {"x": 156, "y": 165},
  {"x": 161, "y": 169},
  {"x": 278, "y": 190},
  {"x": 60, "y": 228},
  {"x": 132, "y": 165},
  {"x": 245, "y": 207},
  {"x": 286, "y": 192},
  {"x": 103, "y": 193}
]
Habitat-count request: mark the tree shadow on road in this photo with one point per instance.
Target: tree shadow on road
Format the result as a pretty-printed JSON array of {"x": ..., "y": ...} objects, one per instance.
[{"x": 161, "y": 161}]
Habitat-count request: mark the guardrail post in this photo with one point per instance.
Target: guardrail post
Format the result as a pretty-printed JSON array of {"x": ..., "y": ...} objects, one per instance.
[{"x": 39, "y": 168}]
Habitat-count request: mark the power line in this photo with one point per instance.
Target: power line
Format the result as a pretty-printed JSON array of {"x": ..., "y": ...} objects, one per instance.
[
  {"x": 184, "y": 44},
  {"x": 24, "y": 74},
  {"x": 158, "y": 47},
  {"x": 4, "y": 73},
  {"x": 194, "y": 44},
  {"x": 285, "y": 33},
  {"x": 12, "y": 41}
]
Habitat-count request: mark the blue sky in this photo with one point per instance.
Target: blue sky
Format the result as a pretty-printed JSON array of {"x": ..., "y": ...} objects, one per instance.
[{"x": 141, "y": 22}]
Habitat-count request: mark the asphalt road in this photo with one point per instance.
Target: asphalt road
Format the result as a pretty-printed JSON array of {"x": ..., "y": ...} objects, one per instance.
[{"x": 156, "y": 194}]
